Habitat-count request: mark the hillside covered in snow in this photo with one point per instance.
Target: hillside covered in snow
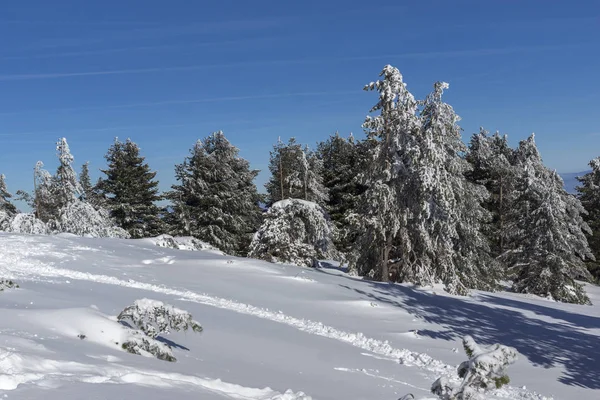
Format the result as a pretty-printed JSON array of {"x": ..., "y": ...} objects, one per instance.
[{"x": 270, "y": 331}]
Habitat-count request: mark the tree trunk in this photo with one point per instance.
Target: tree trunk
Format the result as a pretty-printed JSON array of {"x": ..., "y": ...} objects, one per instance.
[
  {"x": 501, "y": 216},
  {"x": 281, "y": 174},
  {"x": 385, "y": 271}
]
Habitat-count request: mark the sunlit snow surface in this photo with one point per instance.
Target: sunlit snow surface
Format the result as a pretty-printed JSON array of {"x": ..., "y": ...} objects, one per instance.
[{"x": 270, "y": 331}]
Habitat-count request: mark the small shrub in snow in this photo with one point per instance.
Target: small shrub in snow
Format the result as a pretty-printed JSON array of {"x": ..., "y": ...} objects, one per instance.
[
  {"x": 295, "y": 231},
  {"x": 7, "y": 284},
  {"x": 153, "y": 317},
  {"x": 138, "y": 344},
  {"x": 82, "y": 219},
  {"x": 485, "y": 370}
]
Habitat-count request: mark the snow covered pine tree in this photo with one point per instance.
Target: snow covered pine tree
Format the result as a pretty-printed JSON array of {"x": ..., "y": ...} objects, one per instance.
[
  {"x": 547, "y": 241},
  {"x": 130, "y": 190},
  {"x": 216, "y": 200},
  {"x": 7, "y": 209},
  {"x": 295, "y": 174},
  {"x": 381, "y": 212},
  {"x": 342, "y": 162},
  {"x": 589, "y": 195},
  {"x": 419, "y": 214},
  {"x": 492, "y": 159},
  {"x": 447, "y": 205}
]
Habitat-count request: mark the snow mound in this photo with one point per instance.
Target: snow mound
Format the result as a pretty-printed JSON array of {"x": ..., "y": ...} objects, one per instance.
[{"x": 188, "y": 243}]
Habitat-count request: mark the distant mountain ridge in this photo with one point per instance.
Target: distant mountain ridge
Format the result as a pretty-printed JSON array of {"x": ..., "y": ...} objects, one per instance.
[{"x": 571, "y": 181}]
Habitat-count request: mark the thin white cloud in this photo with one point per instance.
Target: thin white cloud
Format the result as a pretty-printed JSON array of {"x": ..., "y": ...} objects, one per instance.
[
  {"x": 74, "y": 132},
  {"x": 187, "y": 101},
  {"x": 131, "y": 49},
  {"x": 153, "y": 32},
  {"x": 433, "y": 54}
]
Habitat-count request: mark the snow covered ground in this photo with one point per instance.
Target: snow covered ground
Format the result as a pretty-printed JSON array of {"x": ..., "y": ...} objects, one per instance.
[{"x": 270, "y": 331}]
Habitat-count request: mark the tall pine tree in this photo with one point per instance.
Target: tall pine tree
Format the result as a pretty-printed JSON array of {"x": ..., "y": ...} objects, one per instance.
[
  {"x": 216, "y": 199},
  {"x": 446, "y": 213},
  {"x": 66, "y": 188},
  {"x": 547, "y": 241},
  {"x": 381, "y": 214},
  {"x": 45, "y": 206},
  {"x": 419, "y": 216},
  {"x": 342, "y": 162},
  {"x": 589, "y": 195},
  {"x": 6, "y": 205},
  {"x": 491, "y": 159},
  {"x": 130, "y": 190},
  {"x": 85, "y": 181}
]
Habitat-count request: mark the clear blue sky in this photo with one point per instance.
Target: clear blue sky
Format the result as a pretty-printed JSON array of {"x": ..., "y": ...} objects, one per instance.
[{"x": 168, "y": 73}]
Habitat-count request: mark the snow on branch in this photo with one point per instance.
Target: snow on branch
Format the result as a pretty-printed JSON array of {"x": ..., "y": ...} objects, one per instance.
[
  {"x": 485, "y": 370},
  {"x": 152, "y": 318}
]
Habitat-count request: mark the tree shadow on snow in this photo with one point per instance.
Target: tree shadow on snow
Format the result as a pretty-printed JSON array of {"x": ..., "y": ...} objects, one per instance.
[
  {"x": 322, "y": 264},
  {"x": 545, "y": 343},
  {"x": 171, "y": 343}
]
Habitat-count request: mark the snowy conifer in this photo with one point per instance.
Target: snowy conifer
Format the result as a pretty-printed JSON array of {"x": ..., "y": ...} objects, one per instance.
[
  {"x": 66, "y": 188},
  {"x": 548, "y": 243},
  {"x": 589, "y": 195},
  {"x": 341, "y": 164},
  {"x": 45, "y": 205},
  {"x": 130, "y": 190},
  {"x": 216, "y": 199},
  {"x": 86, "y": 182},
  {"x": 448, "y": 214},
  {"x": 381, "y": 213},
  {"x": 294, "y": 231},
  {"x": 295, "y": 174},
  {"x": 5, "y": 204},
  {"x": 491, "y": 159},
  {"x": 419, "y": 215}
]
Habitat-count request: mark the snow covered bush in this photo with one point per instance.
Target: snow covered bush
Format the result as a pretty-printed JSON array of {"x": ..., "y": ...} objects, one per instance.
[
  {"x": 139, "y": 344},
  {"x": 485, "y": 370},
  {"x": 82, "y": 219},
  {"x": 189, "y": 243},
  {"x": 7, "y": 284},
  {"x": 27, "y": 223},
  {"x": 152, "y": 318},
  {"x": 294, "y": 231}
]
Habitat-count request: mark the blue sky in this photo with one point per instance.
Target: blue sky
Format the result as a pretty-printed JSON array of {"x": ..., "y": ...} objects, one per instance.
[{"x": 168, "y": 73}]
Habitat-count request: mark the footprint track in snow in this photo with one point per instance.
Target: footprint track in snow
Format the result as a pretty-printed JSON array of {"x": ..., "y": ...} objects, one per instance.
[{"x": 26, "y": 269}]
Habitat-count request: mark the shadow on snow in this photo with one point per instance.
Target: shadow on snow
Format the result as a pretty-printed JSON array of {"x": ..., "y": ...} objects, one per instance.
[{"x": 560, "y": 341}]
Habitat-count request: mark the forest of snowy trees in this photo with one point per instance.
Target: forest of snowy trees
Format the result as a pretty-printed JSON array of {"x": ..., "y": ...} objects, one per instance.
[{"x": 410, "y": 202}]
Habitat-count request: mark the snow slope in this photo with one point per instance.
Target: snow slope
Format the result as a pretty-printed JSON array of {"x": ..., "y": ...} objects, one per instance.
[{"x": 270, "y": 331}]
